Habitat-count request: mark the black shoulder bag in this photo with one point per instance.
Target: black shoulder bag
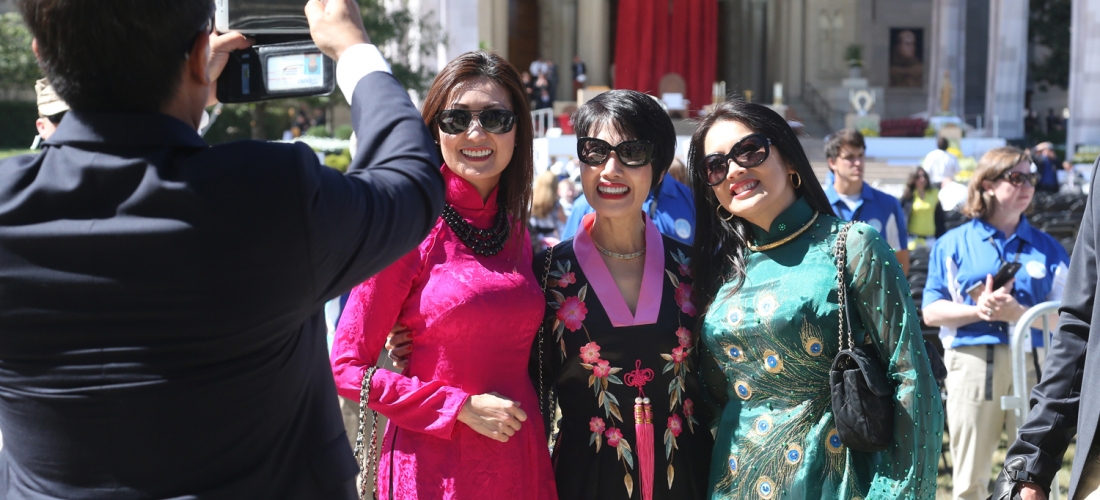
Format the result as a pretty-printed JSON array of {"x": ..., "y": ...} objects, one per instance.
[{"x": 862, "y": 395}]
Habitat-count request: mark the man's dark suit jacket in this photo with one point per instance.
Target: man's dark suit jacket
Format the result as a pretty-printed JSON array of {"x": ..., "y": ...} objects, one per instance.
[
  {"x": 160, "y": 327},
  {"x": 1059, "y": 409}
]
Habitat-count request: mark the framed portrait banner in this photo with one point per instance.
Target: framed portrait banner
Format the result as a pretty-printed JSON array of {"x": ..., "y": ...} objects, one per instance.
[{"x": 907, "y": 57}]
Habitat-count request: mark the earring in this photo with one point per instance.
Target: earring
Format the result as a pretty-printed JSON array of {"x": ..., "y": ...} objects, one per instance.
[
  {"x": 718, "y": 210},
  {"x": 796, "y": 180}
]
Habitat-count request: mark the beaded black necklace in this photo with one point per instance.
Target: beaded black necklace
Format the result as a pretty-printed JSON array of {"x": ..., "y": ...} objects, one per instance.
[{"x": 487, "y": 242}]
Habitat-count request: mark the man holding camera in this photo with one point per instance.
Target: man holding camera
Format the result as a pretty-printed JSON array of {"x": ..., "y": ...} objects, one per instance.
[{"x": 160, "y": 326}]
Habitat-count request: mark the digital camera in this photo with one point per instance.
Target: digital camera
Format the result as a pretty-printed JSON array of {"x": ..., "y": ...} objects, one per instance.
[{"x": 283, "y": 62}]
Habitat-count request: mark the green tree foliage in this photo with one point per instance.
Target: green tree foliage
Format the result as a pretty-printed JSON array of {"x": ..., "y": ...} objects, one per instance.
[
  {"x": 18, "y": 67},
  {"x": 1050, "y": 20}
]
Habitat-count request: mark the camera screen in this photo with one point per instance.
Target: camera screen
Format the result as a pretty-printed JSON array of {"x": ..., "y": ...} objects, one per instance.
[
  {"x": 268, "y": 16},
  {"x": 295, "y": 72}
]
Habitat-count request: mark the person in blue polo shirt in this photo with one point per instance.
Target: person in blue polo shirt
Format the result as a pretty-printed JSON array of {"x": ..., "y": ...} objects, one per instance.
[
  {"x": 975, "y": 327},
  {"x": 670, "y": 207},
  {"x": 853, "y": 199}
]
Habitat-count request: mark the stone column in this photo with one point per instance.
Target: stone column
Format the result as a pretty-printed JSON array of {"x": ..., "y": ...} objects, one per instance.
[
  {"x": 558, "y": 41},
  {"x": 947, "y": 56},
  {"x": 459, "y": 20},
  {"x": 794, "y": 43},
  {"x": 1084, "y": 75},
  {"x": 1007, "y": 77},
  {"x": 594, "y": 40},
  {"x": 492, "y": 25}
]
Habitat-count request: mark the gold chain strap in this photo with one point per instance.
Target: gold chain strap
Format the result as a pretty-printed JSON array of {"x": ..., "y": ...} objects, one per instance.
[
  {"x": 367, "y": 459},
  {"x": 842, "y": 292},
  {"x": 544, "y": 396}
]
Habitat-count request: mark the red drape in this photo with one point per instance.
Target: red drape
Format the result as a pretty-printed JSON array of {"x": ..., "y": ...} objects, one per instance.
[{"x": 656, "y": 37}]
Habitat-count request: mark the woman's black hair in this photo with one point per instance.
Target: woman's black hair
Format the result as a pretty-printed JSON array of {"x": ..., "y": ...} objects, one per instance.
[
  {"x": 633, "y": 115},
  {"x": 719, "y": 248}
]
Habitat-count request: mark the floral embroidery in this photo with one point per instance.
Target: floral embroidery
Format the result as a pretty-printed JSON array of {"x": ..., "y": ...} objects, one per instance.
[
  {"x": 615, "y": 440},
  {"x": 603, "y": 374},
  {"x": 590, "y": 352},
  {"x": 561, "y": 276},
  {"x": 683, "y": 294},
  {"x": 689, "y": 413},
  {"x": 684, "y": 336},
  {"x": 683, "y": 264},
  {"x": 675, "y": 425},
  {"x": 597, "y": 426},
  {"x": 572, "y": 313},
  {"x": 614, "y": 437},
  {"x": 683, "y": 299}
]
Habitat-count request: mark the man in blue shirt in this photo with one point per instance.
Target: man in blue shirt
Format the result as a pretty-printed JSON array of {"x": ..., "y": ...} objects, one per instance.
[
  {"x": 671, "y": 208},
  {"x": 853, "y": 199},
  {"x": 1046, "y": 161}
]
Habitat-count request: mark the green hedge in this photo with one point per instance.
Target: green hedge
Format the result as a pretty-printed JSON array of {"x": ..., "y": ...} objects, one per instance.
[{"x": 17, "y": 127}]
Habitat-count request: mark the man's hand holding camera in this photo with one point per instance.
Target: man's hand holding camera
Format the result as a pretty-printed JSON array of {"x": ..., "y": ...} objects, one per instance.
[
  {"x": 335, "y": 25},
  {"x": 221, "y": 44}
]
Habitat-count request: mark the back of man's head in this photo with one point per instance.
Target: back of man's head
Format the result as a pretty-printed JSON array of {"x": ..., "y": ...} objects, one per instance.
[
  {"x": 844, "y": 138},
  {"x": 115, "y": 55},
  {"x": 942, "y": 143}
]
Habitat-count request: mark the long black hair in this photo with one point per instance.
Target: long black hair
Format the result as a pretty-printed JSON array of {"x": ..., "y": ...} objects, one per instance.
[{"x": 719, "y": 248}]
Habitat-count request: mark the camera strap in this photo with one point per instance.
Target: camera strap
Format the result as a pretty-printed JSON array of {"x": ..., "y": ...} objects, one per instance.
[{"x": 1000, "y": 256}]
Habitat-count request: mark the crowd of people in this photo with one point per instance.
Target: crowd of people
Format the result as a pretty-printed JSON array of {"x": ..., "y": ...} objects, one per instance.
[{"x": 162, "y": 335}]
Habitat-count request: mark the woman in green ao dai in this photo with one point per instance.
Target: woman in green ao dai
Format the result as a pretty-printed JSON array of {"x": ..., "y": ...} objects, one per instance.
[{"x": 766, "y": 275}]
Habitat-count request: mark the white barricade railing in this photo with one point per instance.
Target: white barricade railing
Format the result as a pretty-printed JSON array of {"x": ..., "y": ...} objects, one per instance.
[
  {"x": 1018, "y": 402},
  {"x": 543, "y": 120}
]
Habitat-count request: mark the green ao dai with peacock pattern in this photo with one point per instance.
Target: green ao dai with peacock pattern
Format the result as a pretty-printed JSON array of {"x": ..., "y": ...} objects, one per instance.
[{"x": 774, "y": 341}]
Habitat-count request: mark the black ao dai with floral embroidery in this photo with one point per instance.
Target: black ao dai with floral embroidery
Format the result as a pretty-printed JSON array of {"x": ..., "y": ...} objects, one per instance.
[{"x": 604, "y": 363}]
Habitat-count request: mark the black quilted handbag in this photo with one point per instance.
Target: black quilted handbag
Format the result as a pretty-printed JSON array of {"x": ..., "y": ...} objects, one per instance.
[{"x": 862, "y": 395}]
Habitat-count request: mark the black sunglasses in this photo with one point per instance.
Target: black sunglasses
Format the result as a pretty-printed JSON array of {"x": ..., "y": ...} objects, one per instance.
[
  {"x": 748, "y": 153},
  {"x": 494, "y": 121},
  {"x": 1018, "y": 178},
  {"x": 635, "y": 153}
]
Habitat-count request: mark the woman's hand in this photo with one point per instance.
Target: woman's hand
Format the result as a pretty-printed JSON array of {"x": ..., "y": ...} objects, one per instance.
[
  {"x": 492, "y": 415},
  {"x": 999, "y": 304},
  {"x": 399, "y": 345}
]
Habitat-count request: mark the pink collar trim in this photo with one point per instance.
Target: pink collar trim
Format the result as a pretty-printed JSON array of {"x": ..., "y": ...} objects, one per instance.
[{"x": 649, "y": 298}]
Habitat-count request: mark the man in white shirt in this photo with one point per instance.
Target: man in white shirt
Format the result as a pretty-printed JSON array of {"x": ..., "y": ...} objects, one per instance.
[
  {"x": 941, "y": 165},
  {"x": 942, "y": 168}
]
